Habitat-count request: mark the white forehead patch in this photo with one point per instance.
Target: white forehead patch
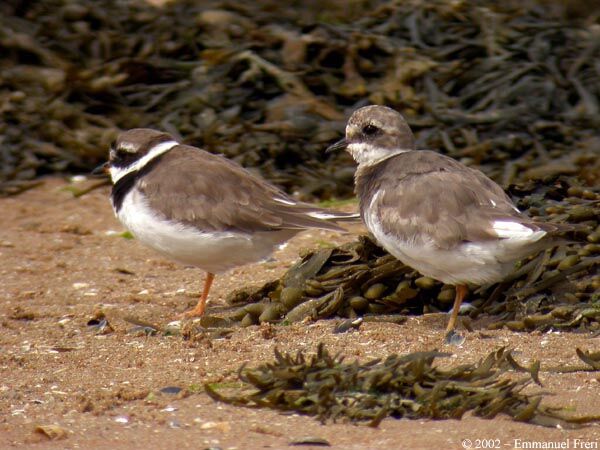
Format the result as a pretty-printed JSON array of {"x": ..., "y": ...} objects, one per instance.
[
  {"x": 116, "y": 173},
  {"x": 128, "y": 147}
]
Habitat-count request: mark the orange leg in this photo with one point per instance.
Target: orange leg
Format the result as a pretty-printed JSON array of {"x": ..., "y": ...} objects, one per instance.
[
  {"x": 198, "y": 310},
  {"x": 461, "y": 291}
]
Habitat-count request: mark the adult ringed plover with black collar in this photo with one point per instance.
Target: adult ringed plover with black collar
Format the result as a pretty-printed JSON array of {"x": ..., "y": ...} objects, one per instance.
[{"x": 202, "y": 209}]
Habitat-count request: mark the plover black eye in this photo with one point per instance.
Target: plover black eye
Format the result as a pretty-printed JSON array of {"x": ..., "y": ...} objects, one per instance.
[
  {"x": 370, "y": 129},
  {"x": 122, "y": 157}
]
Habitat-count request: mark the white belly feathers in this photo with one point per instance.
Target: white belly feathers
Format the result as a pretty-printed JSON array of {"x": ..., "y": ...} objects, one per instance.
[
  {"x": 468, "y": 262},
  {"x": 214, "y": 252}
]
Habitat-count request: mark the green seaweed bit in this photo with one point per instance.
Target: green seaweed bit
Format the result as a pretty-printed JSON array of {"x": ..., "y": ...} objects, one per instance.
[{"x": 409, "y": 386}]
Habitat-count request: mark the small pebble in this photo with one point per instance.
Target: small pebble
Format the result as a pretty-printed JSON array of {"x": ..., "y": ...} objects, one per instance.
[
  {"x": 221, "y": 426},
  {"x": 171, "y": 390},
  {"x": 173, "y": 328},
  {"x": 348, "y": 324},
  {"x": 466, "y": 308},
  {"x": 312, "y": 441},
  {"x": 53, "y": 432},
  {"x": 65, "y": 320},
  {"x": 453, "y": 338}
]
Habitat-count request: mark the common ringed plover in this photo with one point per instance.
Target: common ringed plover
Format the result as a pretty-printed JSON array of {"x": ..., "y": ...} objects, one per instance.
[
  {"x": 202, "y": 209},
  {"x": 446, "y": 220}
]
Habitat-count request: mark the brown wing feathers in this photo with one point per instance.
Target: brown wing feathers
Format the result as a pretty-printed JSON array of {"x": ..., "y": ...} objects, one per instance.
[
  {"x": 213, "y": 193},
  {"x": 461, "y": 204}
]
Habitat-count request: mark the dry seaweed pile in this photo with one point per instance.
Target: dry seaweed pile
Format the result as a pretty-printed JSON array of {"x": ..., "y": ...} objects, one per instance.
[
  {"x": 511, "y": 85},
  {"x": 559, "y": 288},
  {"x": 409, "y": 386}
]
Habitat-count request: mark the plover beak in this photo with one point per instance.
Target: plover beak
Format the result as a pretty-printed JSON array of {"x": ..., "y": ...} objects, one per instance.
[
  {"x": 339, "y": 145},
  {"x": 102, "y": 169}
]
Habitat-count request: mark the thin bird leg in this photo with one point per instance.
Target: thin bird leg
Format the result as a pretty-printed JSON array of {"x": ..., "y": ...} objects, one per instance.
[
  {"x": 198, "y": 310},
  {"x": 461, "y": 291}
]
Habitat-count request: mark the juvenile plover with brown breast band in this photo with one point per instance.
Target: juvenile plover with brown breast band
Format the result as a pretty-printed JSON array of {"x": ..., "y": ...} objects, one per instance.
[
  {"x": 446, "y": 220},
  {"x": 201, "y": 209}
]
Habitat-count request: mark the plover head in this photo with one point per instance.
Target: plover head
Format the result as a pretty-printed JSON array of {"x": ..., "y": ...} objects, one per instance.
[
  {"x": 375, "y": 133},
  {"x": 134, "y": 148}
]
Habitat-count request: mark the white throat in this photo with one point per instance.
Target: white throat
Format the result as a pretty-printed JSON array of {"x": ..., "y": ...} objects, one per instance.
[
  {"x": 116, "y": 173},
  {"x": 366, "y": 154}
]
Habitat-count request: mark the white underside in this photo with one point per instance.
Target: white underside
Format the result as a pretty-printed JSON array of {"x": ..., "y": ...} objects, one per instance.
[
  {"x": 214, "y": 252},
  {"x": 467, "y": 263}
]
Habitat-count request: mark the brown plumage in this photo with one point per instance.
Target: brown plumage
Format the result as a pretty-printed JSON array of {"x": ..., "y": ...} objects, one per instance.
[
  {"x": 212, "y": 193},
  {"x": 461, "y": 203},
  {"x": 435, "y": 214},
  {"x": 202, "y": 209}
]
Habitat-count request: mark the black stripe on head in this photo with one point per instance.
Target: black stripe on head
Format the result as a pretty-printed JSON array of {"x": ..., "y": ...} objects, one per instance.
[
  {"x": 124, "y": 158},
  {"x": 124, "y": 185}
]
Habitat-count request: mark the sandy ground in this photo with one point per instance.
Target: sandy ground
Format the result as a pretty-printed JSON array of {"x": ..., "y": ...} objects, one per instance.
[{"x": 59, "y": 265}]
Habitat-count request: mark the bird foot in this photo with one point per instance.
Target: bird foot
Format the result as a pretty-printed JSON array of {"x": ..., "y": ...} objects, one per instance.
[{"x": 191, "y": 314}]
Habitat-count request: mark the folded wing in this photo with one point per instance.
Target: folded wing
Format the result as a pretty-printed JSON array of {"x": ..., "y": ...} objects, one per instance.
[{"x": 213, "y": 193}]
